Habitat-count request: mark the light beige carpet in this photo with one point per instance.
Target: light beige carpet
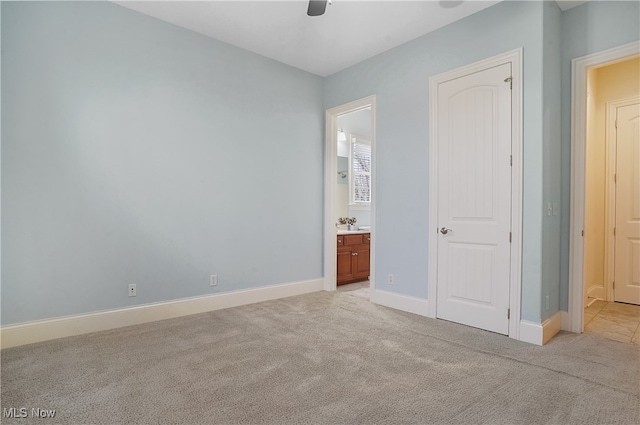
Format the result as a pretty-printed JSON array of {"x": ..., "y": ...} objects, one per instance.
[{"x": 321, "y": 358}]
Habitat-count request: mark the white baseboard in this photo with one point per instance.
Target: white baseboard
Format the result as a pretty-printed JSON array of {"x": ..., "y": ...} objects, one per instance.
[
  {"x": 551, "y": 327},
  {"x": 540, "y": 333},
  {"x": 400, "y": 302},
  {"x": 43, "y": 330},
  {"x": 565, "y": 321},
  {"x": 596, "y": 291},
  {"x": 530, "y": 332},
  {"x": 533, "y": 333}
]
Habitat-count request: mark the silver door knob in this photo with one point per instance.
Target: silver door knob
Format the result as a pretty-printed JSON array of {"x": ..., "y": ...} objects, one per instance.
[{"x": 444, "y": 230}]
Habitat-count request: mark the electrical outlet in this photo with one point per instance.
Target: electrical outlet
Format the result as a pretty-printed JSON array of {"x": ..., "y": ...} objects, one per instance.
[
  {"x": 390, "y": 279},
  {"x": 132, "y": 290},
  {"x": 555, "y": 208},
  {"x": 549, "y": 209},
  {"x": 213, "y": 280},
  {"x": 546, "y": 302}
]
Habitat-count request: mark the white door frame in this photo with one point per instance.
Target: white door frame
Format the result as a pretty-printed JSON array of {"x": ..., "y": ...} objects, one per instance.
[
  {"x": 330, "y": 182},
  {"x": 515, "y": 58},
  {"x": 579, "y": 69},
  {"x": 610, "y": 191}
]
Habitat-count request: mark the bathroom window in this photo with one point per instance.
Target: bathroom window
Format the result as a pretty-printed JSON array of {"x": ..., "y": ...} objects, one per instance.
[{"x": 360, "y": 172}]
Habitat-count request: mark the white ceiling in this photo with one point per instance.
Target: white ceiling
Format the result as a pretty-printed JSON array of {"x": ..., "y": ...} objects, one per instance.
[{"x": 349, "y": 32}]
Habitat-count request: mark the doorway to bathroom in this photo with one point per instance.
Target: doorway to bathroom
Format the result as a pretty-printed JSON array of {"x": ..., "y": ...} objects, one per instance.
[{"x": 349, "y": 224}]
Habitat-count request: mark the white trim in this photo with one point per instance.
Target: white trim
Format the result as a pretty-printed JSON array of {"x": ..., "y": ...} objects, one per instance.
[
  {"x": 515, "y": 286},
  {"x": 551, "y": 327},
  {"x": 531, "y": 332},
  {"x": 596, "y": 291},
  {"x": 44, "y": 330},
  {"x": 540, "y": 334},
  {"x": 406, "y": 303},
  {"x": 330, "y": 181},
  {"x": 579, "y": 68},
  {"x": 609, "y": 201}
]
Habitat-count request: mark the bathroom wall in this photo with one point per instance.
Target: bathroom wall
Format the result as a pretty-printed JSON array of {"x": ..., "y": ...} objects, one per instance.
[{"x": 355, "y": 123}]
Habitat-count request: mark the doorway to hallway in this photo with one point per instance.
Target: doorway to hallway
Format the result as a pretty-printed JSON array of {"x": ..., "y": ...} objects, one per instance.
[{"x": 595, "y": 184}]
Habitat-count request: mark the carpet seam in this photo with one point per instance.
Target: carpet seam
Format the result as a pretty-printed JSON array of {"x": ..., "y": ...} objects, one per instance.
[{"x": 513, "y": 359}]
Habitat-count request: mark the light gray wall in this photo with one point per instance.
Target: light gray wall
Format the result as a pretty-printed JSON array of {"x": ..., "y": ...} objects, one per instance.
[
  {"x": 134, "y": 151},
  {"x": 400, "y": 79},
  {"x": 0, "y": 163},
  {"x": 551, "y": 175},
  {"x": 123, "y": 137},
  {"x": 358, "y": 123},
  {"x": 590, "y": 28}
]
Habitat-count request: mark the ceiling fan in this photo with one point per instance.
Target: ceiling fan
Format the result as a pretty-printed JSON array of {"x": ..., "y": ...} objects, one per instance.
[{"x": 317, "y": 7}]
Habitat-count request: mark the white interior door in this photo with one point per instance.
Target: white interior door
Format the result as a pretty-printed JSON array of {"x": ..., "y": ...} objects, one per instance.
[
  {"x": 627, "y": 233},
  {"x": 474, "y": 199}
]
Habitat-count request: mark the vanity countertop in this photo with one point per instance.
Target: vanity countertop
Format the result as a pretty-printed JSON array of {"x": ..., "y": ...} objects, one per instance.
[{"x": 353, "y": 232}]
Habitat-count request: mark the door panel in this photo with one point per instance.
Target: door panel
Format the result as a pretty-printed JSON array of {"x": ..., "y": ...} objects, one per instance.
[
  {"x": 345, "y": 267},
  {"x": 362, "y": 264},
  {"x": 479, "y": 265},
  {"x": 472, "y": 153},
  {"x": 474, "y": 199},
  {"x": 627, "y": 236}
]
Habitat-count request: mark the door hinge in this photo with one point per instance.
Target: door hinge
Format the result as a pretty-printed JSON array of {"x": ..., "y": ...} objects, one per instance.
[
  {"x": 582, "y": 233},
  {"x": 614, "y": 231},
  {"x": 509, "y": 237},
  {"x": 511, "y": 160},
  {"x": 616, "y": 123},
  {"x": 510, "y": 81},
  {"x": 508, "y": 313},
  {"x": 615, "y": 178}
]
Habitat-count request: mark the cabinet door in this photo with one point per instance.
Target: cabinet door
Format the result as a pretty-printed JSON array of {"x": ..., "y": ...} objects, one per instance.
[
  {"x": 345, "y": 266},
  {"x": 361, "y": 266}
]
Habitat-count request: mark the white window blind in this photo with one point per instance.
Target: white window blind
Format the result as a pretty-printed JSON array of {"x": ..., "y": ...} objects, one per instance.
[{"x": 360, "y": 171}]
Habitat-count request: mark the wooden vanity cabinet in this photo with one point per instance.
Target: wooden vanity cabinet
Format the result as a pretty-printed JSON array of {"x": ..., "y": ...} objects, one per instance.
[{"x": 353, "y": 257}]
